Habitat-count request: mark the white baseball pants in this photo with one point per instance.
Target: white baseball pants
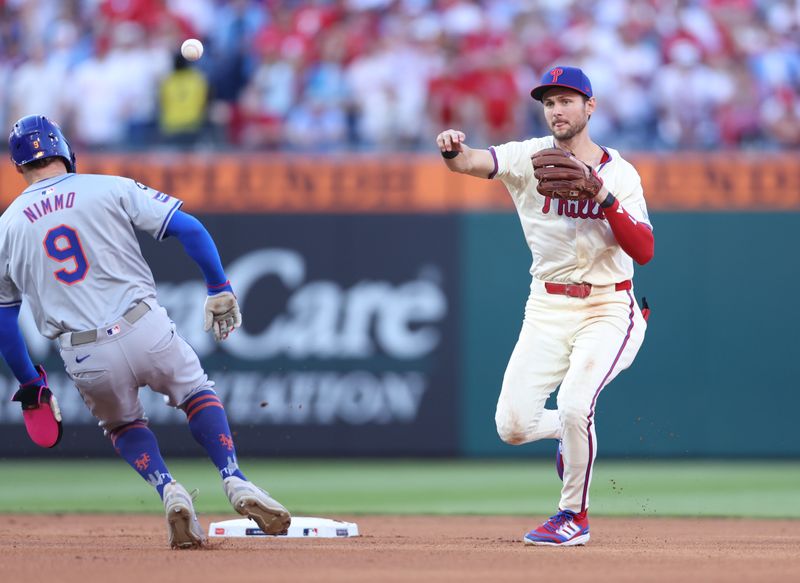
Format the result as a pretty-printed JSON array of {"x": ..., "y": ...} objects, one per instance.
[
  {"x": 581, "y": 344},
  {"x": 109, "y": 371}
]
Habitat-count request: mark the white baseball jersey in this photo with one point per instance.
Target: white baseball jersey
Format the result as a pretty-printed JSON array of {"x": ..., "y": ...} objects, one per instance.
[
  {"x": 67, "y": 245},
  {"x": 571, "y": 242}
]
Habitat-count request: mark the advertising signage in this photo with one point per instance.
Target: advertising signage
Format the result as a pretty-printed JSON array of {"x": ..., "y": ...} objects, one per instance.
[{"x": 348, "y": 345}]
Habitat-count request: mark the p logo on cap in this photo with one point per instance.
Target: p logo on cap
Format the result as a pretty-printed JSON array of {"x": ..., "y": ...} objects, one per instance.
[{"x": 569, "y": 77}]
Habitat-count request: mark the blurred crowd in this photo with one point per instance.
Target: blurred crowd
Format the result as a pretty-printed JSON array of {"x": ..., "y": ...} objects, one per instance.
[{"x": 329, "y": 75}]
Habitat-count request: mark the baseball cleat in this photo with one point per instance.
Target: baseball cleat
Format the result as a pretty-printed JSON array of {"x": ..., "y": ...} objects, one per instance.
[
  {"x": 253, "y": 502},
  {"x": 565, "y": 529},
  {"x": 560, "y": 461},
  {"x": 182, "y": 525}
]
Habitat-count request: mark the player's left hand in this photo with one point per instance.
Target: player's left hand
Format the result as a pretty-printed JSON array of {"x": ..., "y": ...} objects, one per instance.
[
  {"x": 40, "y": 411},
  {"x": 223, "y": 314}
]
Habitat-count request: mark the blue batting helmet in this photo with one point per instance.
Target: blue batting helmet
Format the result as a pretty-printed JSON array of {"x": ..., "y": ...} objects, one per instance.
[{"x": 34, "y": 137}]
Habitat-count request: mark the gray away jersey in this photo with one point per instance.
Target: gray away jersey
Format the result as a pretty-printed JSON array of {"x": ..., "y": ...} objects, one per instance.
[{"x": 67, "y": 246}]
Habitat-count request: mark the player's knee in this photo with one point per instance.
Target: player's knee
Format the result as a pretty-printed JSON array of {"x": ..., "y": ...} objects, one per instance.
[
  {"x": 510, "y": 436},
  {"x": 510, "y": 430}
]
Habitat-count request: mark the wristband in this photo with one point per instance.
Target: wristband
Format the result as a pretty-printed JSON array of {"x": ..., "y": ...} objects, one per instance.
[
  {"x": 219, "y": 288},
  {"x": 450, "y": 155},
  {"x": 609, "y": 201}
]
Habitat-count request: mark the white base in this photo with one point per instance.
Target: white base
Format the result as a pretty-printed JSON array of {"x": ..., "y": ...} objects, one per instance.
[{"x": 301, "y": 527}]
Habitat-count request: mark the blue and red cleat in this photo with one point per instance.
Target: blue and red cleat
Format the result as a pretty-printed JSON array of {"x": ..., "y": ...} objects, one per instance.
[
  {"x": 565, "y": 529},
  {"x": 560, "y": 462}
]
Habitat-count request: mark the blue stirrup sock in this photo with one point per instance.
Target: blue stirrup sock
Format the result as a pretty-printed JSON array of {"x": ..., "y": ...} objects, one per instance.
[
  {"x": 209, "y": 426},
  {"x": 138, "y": 446}
]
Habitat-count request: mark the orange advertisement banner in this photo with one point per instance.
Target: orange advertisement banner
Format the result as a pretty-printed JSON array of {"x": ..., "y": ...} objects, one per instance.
[{"x": 399, "y": 182}]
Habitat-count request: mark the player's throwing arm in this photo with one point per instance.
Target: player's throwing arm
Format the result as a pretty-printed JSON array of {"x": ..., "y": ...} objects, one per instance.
[{"x": 461, "y": 158}]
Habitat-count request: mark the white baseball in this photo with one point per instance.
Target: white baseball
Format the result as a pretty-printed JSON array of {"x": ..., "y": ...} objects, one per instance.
[{"x": 192, "y": 49}]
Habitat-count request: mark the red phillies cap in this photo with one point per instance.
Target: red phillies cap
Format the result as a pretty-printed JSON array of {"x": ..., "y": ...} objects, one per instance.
[{"x": 570, "y": 77}]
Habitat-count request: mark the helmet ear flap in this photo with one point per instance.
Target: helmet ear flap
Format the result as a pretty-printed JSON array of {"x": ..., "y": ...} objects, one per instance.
[{"x": 71, "y": 165}]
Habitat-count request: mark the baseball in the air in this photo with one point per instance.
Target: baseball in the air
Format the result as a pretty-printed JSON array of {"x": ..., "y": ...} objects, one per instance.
[{"x": 192, "y": 49}]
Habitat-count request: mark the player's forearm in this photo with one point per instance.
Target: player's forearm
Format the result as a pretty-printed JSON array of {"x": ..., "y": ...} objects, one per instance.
[
  {"x": 459, "y": 157},
  {"x": 13, "y": 348},
  {"x": 472, "y": 161},
  {"x": 201, "y": 248},
  {"x": 635, "y": 238},
  {"x": 461, "y": 161}
]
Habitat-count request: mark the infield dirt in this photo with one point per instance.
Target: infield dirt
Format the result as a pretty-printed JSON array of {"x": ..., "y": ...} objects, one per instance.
[{"x": 132, "y": 549}]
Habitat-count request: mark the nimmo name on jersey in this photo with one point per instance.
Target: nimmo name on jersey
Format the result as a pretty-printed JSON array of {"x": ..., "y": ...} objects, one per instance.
[{"x": 48, "y": 205}]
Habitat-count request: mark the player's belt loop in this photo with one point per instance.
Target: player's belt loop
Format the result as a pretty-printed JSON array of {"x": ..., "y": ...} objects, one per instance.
[{"x": 623, "y": 285}]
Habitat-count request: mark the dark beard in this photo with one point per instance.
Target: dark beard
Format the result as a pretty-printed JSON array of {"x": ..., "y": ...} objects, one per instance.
[{"x": 570, "y": 132}]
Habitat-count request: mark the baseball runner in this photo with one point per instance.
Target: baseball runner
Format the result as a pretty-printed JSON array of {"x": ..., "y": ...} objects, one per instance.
[
  {"x": 584, "y": 217},
  {"x": 68, "y": 248}
]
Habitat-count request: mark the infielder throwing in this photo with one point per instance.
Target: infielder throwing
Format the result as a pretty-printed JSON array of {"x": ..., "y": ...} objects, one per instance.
[
  {"x": 584, "y": 217},
  {"x": 68, "y": 248}
]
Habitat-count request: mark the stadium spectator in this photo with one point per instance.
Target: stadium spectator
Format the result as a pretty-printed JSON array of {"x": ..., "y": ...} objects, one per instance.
[
  {"x": 25, "y": 92},
  {"x": 780, "y": 116},
  {"x": 95, "y": 101},
  {"x": 314, "y": 125},
  {"x": 183, "y": 98},
  {"x": 689, "y": 94},
  {"x": 143, "y": 67},
  {"x": 267, "y": 99}
]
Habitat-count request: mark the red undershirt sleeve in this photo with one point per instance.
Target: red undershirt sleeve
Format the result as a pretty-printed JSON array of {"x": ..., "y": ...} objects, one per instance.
[{"x": 635, "y": 238}]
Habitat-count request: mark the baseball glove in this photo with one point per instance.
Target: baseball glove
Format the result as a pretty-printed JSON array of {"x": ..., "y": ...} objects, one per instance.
[{"x": 562, "y": 175}]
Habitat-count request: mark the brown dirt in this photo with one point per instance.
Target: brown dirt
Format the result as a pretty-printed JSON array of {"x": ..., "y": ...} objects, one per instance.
[{"x": 132, "y": 549}]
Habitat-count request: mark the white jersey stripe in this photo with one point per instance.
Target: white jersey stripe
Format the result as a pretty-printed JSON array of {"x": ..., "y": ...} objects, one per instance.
[{"x": 172, "y": 211}]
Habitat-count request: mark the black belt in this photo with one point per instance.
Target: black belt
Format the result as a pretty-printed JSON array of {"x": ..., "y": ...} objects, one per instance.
[{"x": 88, "y": 336}]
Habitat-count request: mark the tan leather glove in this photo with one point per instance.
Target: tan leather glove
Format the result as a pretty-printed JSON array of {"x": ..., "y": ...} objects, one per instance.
[{"x": 222, "y": 312}]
